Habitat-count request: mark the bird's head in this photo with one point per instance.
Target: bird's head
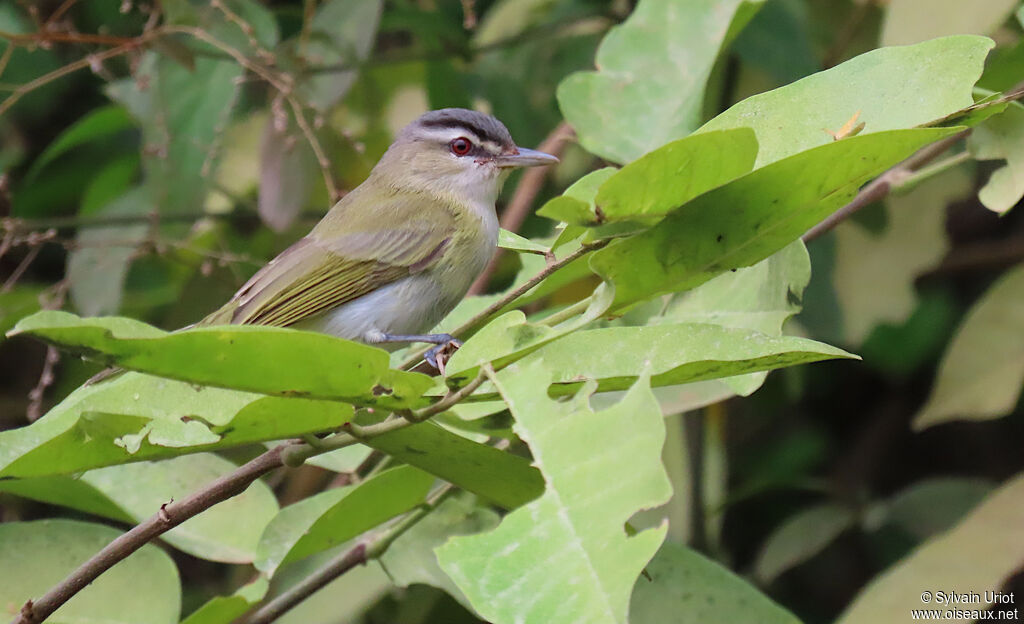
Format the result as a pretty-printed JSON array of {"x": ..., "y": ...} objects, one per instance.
[{"x": 455, "y": 151}]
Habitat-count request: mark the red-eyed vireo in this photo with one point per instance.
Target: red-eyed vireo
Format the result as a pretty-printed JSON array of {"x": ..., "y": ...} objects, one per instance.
[{"x": 396, "y": 254}]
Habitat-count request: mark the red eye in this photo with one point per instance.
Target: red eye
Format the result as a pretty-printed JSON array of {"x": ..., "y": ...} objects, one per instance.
[{"x": 460, "y": 146}]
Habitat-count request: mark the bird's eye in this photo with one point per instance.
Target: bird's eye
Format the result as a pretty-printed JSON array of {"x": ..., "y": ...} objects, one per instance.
[{"x": 460, "y": 146}]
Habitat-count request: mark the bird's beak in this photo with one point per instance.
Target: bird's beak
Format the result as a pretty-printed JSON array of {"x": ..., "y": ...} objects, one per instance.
[{"x": 523, "y": 157}]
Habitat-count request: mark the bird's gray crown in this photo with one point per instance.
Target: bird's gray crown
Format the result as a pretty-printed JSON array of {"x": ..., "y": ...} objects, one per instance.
[{"x": 484, "y": 126}]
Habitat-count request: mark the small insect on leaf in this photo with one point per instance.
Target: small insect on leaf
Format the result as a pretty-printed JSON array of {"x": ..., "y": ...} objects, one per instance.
[{"x": 849, "y": 129}]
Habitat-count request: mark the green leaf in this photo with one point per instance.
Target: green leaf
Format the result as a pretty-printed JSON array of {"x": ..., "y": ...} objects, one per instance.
[
  {"x": 637, "y": 101},
  {"x": 576, "y": 206},
  {"x": 99, "y": 123},
  {"x": 510, "y": 337},
  {"x": 498, "y": 477},
  {"x": 565, "y": 557},
  {"x": 17, "y": 303},
  {"x": 874, "y": 272},
  {"x": 892, "y": 88},
  {"x": 673, "y": 354},
  {"x": 761, "y": 297},
  {"x": 49, "y": 550},
  {"x": 134, "y": 492},
  {"x": 750, "y": 218},
  {"x": 110, "y": 423},
  {"x": 1001, "y": 138},
  {"x": 333, "y": 517},
  {"x": 98, "y": 266},
  {"x": 981, "y": 373},
  {"x": 979, "y": 554},
  {"x": 410, "y": 559},
  {"x": 800, "y": 537},
  {"x": 685, "y": 587},
  {"x": 227, "y": 609},
  {"x": 515, "y": 242},
  {"x": 911, "y": 21},
  {"x": 342, "y": 32},
  {"x": 268, "y": 360},
  {"x": 663, "y": 180}
]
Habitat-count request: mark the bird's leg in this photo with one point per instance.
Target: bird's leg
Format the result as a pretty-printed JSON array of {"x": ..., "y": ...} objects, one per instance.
[{"x": 445, "y": 346}]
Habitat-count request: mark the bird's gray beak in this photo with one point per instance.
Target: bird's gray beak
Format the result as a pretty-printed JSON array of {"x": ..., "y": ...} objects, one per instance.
[{"x": 525, "y": 158}]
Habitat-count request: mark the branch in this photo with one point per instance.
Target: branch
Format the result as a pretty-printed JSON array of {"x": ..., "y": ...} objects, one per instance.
[
  {"x": 174, "y": 513},
  {"x": 515, "y": 213},
  {"x": 361, "y": 553},
  {"x": 493, "y": 309},
  {"x": 169, "y": 516},
  {"x": 883, "y": 184}
]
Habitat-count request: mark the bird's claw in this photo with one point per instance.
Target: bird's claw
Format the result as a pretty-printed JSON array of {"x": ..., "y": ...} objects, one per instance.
[{"x": 438, "y": 355}]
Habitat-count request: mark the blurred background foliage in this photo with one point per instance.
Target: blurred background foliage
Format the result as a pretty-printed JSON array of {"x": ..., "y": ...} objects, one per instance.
[{"x": 154, "y": 178}]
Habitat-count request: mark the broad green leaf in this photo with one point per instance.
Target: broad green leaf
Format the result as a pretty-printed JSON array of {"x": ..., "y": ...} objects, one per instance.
[
  {"x": 515, "y": 242},
  {"x": 652, "y": 70},
  {"x": 1001, "y": 138},
  {"x": 227, "y": 609},
  {"x": 342, "y": 33},
  {"x": 750, "y": 218},
  {"x": 411, "y": 559},
  {"x": 685, "y": 587},
  {"x": 673, "y": 354},
  {"x": 874, "y": 272},
  {"x": 333, "y": 517},
  {"x": 930, "y": 506},
  {"x": 566, "y": 557},
  {"x": 761, "y": 297},
  {"x": 100, "y": 122},
  {"x": 496, "y": 476},
  {"x": 800, "y": 537},
  {"x": 510, "y": 337},
  {"x": 663, "y": 180},
  {"x": 97, "y": 268},
  {"x": 344, "y": 600},
  {"x": 576, "y": 206},
  {"x": 891, "y": 88},
  {"x": 134, "y": 492},
  {"x": 268, "y": 360},
  {"x": 136, "y": 417},
  {"x": 46, "y": 551},
  {"x": 911, "y": 21},
  {"x": 976, "y": 555},
  {"x": 981, "y": 373}
]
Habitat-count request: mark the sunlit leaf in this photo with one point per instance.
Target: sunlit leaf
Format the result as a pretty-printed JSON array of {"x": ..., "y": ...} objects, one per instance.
[
  {"x": 911, "y": 21},
  {"x": 637, "y": 101},
  {"x": 892, "y": 88},
  {"x": 750, "y": 218},
  {"x": 566, "y": 556},
  {"x": 1001, "y": 138}
]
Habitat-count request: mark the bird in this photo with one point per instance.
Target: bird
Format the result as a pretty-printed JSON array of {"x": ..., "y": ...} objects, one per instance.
[{"x": 396, "y": 254}]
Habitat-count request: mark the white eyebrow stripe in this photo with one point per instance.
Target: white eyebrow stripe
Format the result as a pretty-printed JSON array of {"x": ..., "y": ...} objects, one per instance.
[{"x": 445, "y": 135}]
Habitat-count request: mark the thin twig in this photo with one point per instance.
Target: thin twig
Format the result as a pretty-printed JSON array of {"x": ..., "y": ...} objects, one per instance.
[
  {"x": 499, "y": 305},
  {"x": 363, "y": 551},
  {"x": 168, "y": 517},
  {"x": 529, "y": 186},
  {"x": 883, "y": 184}
]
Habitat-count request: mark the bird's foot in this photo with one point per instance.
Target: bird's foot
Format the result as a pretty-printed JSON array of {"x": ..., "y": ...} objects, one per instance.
[{"x": 438, "y": 355}]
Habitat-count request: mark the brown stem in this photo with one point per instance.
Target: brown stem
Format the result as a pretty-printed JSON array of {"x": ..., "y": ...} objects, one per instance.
[
  {"x": 883, "y": 184},
  {"x": 515, "y": 213},
  {"x": 168, "y": 517}
]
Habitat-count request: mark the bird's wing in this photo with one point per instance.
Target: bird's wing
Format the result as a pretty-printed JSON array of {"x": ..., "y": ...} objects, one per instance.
[{"x": 383, "y": 244}]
